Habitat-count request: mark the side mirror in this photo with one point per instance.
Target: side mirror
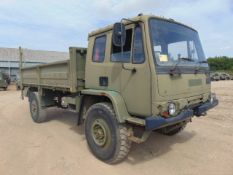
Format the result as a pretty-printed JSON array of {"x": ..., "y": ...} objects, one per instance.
[{"x": 119, "y": 34}]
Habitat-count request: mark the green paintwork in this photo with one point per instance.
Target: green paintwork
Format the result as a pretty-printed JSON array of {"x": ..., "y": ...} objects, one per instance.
[
  {"x": 143, "y": 93},
  {"x": 65, "y": 75},
  {"x": 183, "y": 86},
  {"x": 3, "y": 82},
  {"x": 100, "y": 132},
  {"x": 116, "y": 99},
  {"x": 195, "y": 82}
]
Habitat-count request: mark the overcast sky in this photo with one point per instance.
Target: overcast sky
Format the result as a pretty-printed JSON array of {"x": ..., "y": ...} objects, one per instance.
[{"x": 58, "y": 24}]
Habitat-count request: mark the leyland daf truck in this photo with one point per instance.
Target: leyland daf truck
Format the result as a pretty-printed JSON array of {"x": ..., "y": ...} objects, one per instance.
[{"x": 137, "y": 76}]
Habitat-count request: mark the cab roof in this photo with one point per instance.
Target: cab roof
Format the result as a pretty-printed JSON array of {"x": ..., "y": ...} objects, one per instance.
[{"x": 140, "y": 17}]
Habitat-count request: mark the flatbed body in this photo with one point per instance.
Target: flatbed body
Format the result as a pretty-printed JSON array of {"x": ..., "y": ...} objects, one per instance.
[{"x": 67, "y": 75}]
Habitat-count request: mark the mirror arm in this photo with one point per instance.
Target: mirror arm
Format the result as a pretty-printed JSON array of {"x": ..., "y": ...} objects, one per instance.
[
  {"x": 133, "y": 70},
  {"x": 122, "y": 47}
]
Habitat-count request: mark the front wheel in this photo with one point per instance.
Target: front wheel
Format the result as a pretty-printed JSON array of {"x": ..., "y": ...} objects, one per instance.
[{"x": 106, "y": 138}]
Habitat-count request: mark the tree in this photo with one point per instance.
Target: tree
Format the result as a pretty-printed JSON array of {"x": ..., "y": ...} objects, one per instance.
[{"x": 221, "y": 63}]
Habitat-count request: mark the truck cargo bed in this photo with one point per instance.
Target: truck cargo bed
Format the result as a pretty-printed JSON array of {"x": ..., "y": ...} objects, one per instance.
[{"x": 67, "y": 75}]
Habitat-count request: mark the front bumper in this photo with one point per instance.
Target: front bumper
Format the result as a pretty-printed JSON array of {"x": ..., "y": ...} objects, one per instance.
[
  {"x": 156, "y": 122},
  {"x": 200, "y": 110}
]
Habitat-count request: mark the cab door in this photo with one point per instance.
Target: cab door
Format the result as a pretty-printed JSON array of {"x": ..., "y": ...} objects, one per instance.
[{"x": 135, "y": 74}]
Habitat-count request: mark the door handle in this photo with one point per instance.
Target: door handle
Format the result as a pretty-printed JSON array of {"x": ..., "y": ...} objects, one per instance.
[{"x": 129, "y": 68}]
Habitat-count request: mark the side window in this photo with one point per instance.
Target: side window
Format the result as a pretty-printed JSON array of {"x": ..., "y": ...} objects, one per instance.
[
  {"x": 138, "y": 50},
  {"x": 99, "y": 49},
  {"x": 117, "y": 56}
]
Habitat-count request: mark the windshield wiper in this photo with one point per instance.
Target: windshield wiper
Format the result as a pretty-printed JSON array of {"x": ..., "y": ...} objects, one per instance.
[
  {"x": 179, "y": 61},
  {"x": 187, "y": 59},
  {"x": 203, "y": 61}
]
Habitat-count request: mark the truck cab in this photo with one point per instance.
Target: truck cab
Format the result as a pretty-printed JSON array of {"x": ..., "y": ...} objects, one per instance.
[
  {"x": 137, "y": 76},
  {"x": 162, "y": 65}
]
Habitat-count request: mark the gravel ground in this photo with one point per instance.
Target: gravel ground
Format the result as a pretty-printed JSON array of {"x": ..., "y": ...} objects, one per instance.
[{"x": 58, "y": 146}]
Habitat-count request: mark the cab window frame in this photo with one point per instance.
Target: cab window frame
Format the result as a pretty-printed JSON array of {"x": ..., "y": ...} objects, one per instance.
[
  {"x": 143, "y": 45},
  {"x": 93, "y": 50},
  {"x": 129, "y": 60}
]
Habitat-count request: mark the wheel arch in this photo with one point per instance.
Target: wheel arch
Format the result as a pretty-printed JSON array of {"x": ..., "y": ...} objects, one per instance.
[
  {"x": 28, "y": 90},
  {"x": 45, "y": 100},
  {"x": 113, "y": 97}
]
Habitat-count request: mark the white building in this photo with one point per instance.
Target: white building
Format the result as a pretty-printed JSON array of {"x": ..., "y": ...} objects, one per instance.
[{"x": 9, "y": 59}]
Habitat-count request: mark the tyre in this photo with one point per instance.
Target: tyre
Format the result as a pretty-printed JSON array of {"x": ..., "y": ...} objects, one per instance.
[
  {"x": 37, "y": 113},
  {"x": 106, "y": 138},
  {"x": 173, "y": 129}
]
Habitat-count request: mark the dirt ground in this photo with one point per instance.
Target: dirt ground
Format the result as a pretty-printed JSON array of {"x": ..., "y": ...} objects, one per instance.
[{"x": 58, "y": 147}]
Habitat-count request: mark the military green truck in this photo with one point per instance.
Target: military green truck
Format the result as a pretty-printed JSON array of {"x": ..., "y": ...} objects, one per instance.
[
  {"x": 3, "y": 81},
  {"x": 137, "y": 76},
  {"x": 231, "y": 77},
  {"x": 215, "y": 76},
  {"x": 224, "y": 76}
]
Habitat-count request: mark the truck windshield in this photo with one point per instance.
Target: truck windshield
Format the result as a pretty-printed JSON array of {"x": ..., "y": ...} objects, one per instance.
[{"x": 174, "y": 43}]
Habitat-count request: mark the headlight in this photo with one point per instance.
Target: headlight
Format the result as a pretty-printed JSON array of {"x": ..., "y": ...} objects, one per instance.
[{"x": 172, "y": 108}]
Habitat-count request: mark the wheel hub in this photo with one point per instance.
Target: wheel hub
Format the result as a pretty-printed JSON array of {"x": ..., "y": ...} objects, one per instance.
[{"x": 99, "y": 132}]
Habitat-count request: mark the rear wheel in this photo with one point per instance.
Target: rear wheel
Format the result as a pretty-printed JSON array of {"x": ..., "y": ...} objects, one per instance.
[
  {"x": 37, "y": 113},
  {"x": 106, "y": 138},
  {"x": 173, "y": 129}
]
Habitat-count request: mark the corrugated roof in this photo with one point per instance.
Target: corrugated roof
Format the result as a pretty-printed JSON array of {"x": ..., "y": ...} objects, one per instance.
[{"x": 12, "y": 54}]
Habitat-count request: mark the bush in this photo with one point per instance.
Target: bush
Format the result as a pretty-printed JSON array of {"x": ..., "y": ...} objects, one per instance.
[{"x": 221, "y": 64}]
